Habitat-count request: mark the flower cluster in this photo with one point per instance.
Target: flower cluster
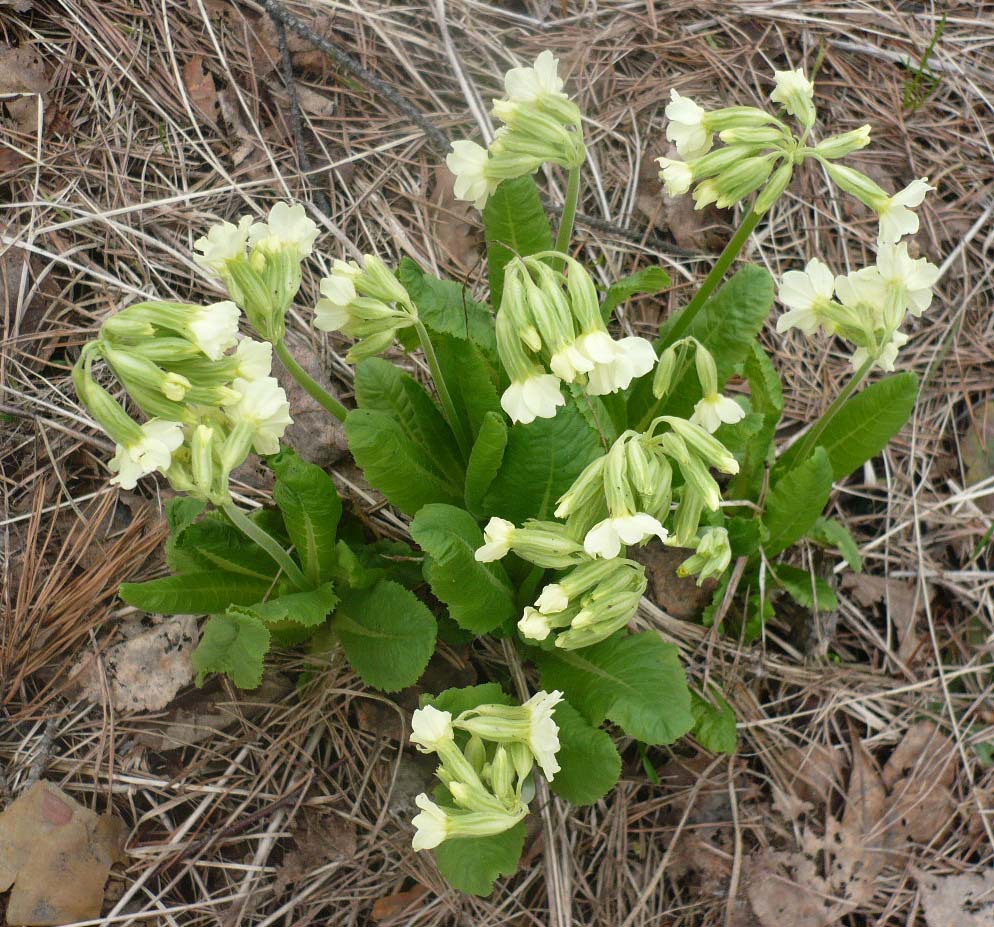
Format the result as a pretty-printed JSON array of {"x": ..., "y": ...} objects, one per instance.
[
  {"x": 259, "y": 263},
  {"x": 367, "y": 303},
  {"x": 207, "y": 406},
  {"x": 540, "y": 125},
  {"x": 550, "y": 330},
  {"x": 866, "y": 307},
  {"x": 488, "y": 777}
]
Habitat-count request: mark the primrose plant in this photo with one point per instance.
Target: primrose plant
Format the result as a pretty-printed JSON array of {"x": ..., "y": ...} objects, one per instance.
[{"x": 546, "y": 448}]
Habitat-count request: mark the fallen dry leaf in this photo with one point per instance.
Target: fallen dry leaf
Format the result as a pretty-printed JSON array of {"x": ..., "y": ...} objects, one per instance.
[
  {"x": 392, "y": 905},
  {"x": 57, "y": 855},
  {"x": 320, "y": 837},
  {"x": 22, "y": 72},
  {"x": 977, "y": 450},
  {"x": 898, "y": 597},
  {"x": 145, "y": 671},
  {"x": 925, "y": 750},
  {"x": 965, "y": 900},
  {"x": 456, "y": 225},
  {"x": 200, "y": 88},
  {"x": 679, "y": 597},
  {"x": 815, "y": 772}
]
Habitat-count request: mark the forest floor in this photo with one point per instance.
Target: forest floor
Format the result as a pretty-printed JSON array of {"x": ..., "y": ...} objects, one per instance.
[{"x": 863, "y": 790}]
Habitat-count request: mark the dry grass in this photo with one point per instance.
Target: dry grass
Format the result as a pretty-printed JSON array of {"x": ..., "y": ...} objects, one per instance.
[{"x": 161, "y": 117}]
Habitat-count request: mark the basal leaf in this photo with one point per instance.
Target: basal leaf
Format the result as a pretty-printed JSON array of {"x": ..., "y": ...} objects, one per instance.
[
  {"x": 484, "y": 461},
  {"x": 714, "y": 724},
  {"x": 634, "y": 680},
  {"x": 308, "y": 609},
  {"x": 646, "y": 280},
  {"x": 195, "y": 593},
  {"x": 388, "y": 634},
  {"x": 456, "y": 701},
  {"x": 235, "y": 644},
  {"x": 515, "y": 224},
  {"x": 478, "y": 595},
  {"x": 833, "y": 533},
  {"x": 182, "y": 511},
  {"x": 806, "y": 589},
  {"x": 473, "y": 864},
  {"x": 471, "y": 381},
  {"x": 214, "y": 544},
  {"x": 796, "y": 501},
  {"x": 589, "y": 762}
]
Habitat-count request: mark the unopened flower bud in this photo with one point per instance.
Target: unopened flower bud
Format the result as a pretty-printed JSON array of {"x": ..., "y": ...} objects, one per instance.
[{"x": 838, "y": 146}]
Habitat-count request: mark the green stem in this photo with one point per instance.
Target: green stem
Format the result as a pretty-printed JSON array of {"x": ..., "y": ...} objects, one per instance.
[
  {"x": 267, "y": 542},
  {"x": 443, "y": 390},
  {"x": 810, "y": 440},
  {"x": 711, "y": 281},
  {"x": 569, "y": 210},
  {"x": 310, "y": 385}
]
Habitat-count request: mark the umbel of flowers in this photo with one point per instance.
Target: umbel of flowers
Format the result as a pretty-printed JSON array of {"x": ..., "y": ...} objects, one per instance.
[{"x": 487, "y": 755}]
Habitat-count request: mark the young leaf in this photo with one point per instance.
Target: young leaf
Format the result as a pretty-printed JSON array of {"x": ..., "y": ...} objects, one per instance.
[
  {"x": 311, "y": 510},
  {"x": 540, "y": 463},
  {"x": 805, "y": 589},
  {"x": 308, "y": 608},
  {"x": 473, "y": 864},
  {"x": 516, "y": 224},
  {"x": 214, "y": 544},
  {"x": 447, "y": 308},
  {"x": 388, "y": 635},
  {"x": 589, "y": 763},
  {"x": 470, "y": 379},
  {"x": 478, "y": 595},
  {"x": 647, "y": 280},
  {"x": 865, "y": 424},
  {"x": 714, "y": 724},
  {"x": 634, "y": 680},
  {"x": 484, "y": 461},
  {"x": 833, "y": 533},
  {"x": 383, "y": 387},
  {"x": 394, "y": 464},
  {"x": 233, "y": 643},
  {"x": 456, "y": 701},
  {"x": 796, "y": 501},
  {"x": 195, "y": 593}
]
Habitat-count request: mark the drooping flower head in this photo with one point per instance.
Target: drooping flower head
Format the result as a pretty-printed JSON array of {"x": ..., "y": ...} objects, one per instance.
[{"x": 152, "y": 452}]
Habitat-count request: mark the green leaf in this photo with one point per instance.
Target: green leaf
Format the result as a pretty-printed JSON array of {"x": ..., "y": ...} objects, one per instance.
[
  {"x": 589, "y": 762},
  {"x": 796, "y": 501},
  {"x": 383, "y": 387},
  {"x": 471, "y": 381},
  {"x": 311, "y": 510},
  {"x": 214, "y": 544},
  {"x": 647, "y": 280},
  {"x": 448, "y": 308},
  {"x": 308, "y": 608},
  {"x": 833, "y": 533},
  {"x": 766, "y": 399},
  {"x": 394, "y": 464},
  {"x": 478, "y": 595},
  {"x": 515, "y": 224},
  {"x": 634, "y": 680},
  {"x": 484, "y": 460},
  {"x": 865, "y": 424},
  {"x": 182, "y": 512},
  {"x": 540, "y": 463},
  {"x": 744, "y": 535},
  {"x": 714, "y": 724},
  {"x": 234, "y": 643},
  {"x": 806, "y": 589},
  {"x": 473, "y": 864},
  {"x": 387, "y": 634},
  {"x": 456, "y": 701},
  {"x": 195, "y": 593}
]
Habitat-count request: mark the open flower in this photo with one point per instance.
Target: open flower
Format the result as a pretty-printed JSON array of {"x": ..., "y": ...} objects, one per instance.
[
  {"x": 224, "y": 242},
  {"x": 896, "y": 216},
  {"x": 534, "y": 625},
  {"x": 214, "y": 328},
  {"x": 337, "y": 293},
  {"x": 714, "y": 410},
  {"x": 677, "y": 176},
  {"x": 468, "y": 162},
  {"x": 153, "y": 451},
  {"x": 552, "y": 599},
  {"x": 254, "y": 359},
  {"x": 430, "y": 824},
  {"x": 687, "y": 129},
  {"x": 536, "y": 397},
  {"x": 907, "y": 280},
  {"x": 805, "y": 293},
  {"x": 497, "y": 537},
  {"x": 526, "y": 85},
  {"x": 796, "y": 93},
  {"x": 543, "y": 737},
  {"x": 633, "y": 357},
  {"x": 263, "y": 406},
  {"x": 287, "y": 228},
  {"x": 430, "y": 728},
  {"x": 569, "y": 362},
  {"x": 607, "y": 536}
]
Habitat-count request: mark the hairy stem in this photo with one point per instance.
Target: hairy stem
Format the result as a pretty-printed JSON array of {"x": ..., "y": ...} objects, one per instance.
[
  {"x": 313, "y": 388},
  {"x": 267, "y": 542}
]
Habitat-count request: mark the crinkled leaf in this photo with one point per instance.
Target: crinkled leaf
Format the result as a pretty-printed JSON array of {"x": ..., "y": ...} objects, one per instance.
[
  {"x": 647, "y": 280},
  {"x": 540, "y": 463},
  {"x": 766, "y": 400},
  {"x": 195, "y": 593},
  {"x": 456, "y": 701},
  {"x": 213, "y": 543},
  {"x": 635, "y": 680},
  {"x": 394, "y": 464},
  {"x": 308, "y": 608},
  {"x": 235, "y": 644},
  {"x": 478, "y": 595},
  {"x": 182, "y": 512},
  {"x": 833, "y": 533},
  {"x": 388, "y": 634},
  {"x": 473, "y": 864},
  {"x": 589, "y": 762},
  {"x": 744, "y": 535},
  {"x": 806, "y": 589},
  {"x": 308, "y": 500},
  {"x": 864, "y": 424},
  {"x": 714, "y": 724},
  {"x": 484, "y": 461},
  {"x": 470, "y": 379},
  {"x": 796, "y": 501},
  {"x": 515, "y": 224}
]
